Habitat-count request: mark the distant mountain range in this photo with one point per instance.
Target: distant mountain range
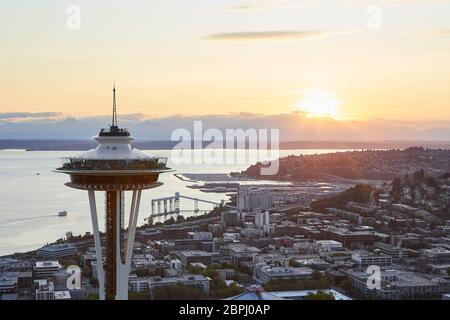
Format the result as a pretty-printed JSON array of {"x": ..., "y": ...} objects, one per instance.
[
  {"x": 85, "y": 144},
  {"x": 293, "y": 126}
]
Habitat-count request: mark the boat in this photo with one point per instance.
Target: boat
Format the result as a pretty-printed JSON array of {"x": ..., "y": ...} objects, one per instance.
[{"x": 62, "y": 213}]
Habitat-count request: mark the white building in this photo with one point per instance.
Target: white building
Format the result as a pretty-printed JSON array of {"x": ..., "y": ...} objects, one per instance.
[
  {"x": 232, "y": 236},
  {"x": 265, "y": 273},
  {"x": 201, "y": 235},
  {"x": 63, "y": 295},
  {"x": 45, "y": 269},
  {"x": 262, "y": 219},
  {"x": 175, "y": 264},
  {"x": 143, "y": 261},
  {"x": 45, "y": 290},
  {"x": 7, "y": 284},
  {"x": 253, "y": 198},
  {"x": 328, "y": 245},
  {"x": 396, "y": 284},
  {"x": 138, "y": 284},
  {"x": 364, "y": 259}
]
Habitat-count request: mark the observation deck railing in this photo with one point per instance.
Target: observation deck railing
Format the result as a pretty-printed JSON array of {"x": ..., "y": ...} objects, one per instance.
[{"x": 106, "y": 164}]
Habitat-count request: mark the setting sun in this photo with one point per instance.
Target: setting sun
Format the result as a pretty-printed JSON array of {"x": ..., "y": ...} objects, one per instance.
[{"x": 320, "y": 103}]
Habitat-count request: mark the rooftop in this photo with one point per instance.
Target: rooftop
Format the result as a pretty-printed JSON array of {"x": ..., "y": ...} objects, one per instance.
[
  {"x": 256, "y": 295},
  {"x": 304, "y": 293},
  {"x": 286, "y": 271},
  {"x": 57, "y": 247},
  {"x": 47, "y": 264},
  {"x": 193, "y": 253},
  {"x": 186, "y": 278}
]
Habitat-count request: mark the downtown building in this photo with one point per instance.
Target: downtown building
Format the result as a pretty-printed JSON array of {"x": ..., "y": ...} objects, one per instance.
[
  {"x": 254, "y": 199},
  {"x": 45, "y": 269},
  {"x": 264, "y": 273},
  {"x": 151, "y": 284},
  {"x": 397, "y": 285}
]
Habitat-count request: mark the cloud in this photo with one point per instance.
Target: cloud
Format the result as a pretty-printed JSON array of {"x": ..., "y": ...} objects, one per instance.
[
  {"x": 261, "y": 5},
  {"x": 274, "y": 35},
  {"x": 19, "y": 115},
  {"x": 436, "y": 33},
  {"x": 29, "y": 116},
  {"x": 294, "y": 126}
]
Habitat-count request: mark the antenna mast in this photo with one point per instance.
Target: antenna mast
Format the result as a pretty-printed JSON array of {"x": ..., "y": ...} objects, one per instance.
[{"x": 114, "y": 115}]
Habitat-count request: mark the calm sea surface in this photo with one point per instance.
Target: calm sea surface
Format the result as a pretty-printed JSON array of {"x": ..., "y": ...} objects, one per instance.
[{"x": 31, "y": 196}]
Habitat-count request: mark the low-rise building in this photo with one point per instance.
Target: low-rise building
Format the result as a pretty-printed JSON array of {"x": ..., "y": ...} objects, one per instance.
[
  {"x": 365, "y": 259},
  {"x": 55, "y": 251},
  {"x": 43, "y": 269},
  {"x": 197, "y": 280},
  {"x": 328, "y": 245},
  {"x": 396, "y": 285},
  {"x": 138, "y": 284},
  {"x": 7, "y": 284},
  {"x": 265, "y": 273},
  {"x": 350, "y": 238},
  {"x": 303, "y": 294},
  {"x": 189, "y": 256},
  {"x": 397, "y": 253},
  {"x": 238, "y": 253}
]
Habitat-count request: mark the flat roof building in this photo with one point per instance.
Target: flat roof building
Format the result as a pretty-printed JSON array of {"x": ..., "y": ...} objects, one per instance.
[
  {"x": 54, "y": 251},
  {"x": 397, "y": 284},
  {"x": 196, "y": 280},
  {"x": 192, "y": 256},
  {"x": 46, "y": 268},
  {"x": 266, "y": 273},
  {"x": 303, "y": 294},
  {"x": 365, "y": 258}
]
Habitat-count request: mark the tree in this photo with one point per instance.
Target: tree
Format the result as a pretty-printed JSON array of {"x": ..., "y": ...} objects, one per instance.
[
  {"x": 396, "y": 188},
  {"x": 92, "y": 296},
  {"x": 139, "y": 296},
  {"x": 360, "y": 193},
  {"x": 195, "y": 269},
  {"x": 220, "y": 290},
  {"x": 320, "y": 295},
  {"x": 316, "y": 275}
]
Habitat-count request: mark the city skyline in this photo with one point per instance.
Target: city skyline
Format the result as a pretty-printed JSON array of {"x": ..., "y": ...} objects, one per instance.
[
  {"x": 226, "y": 57},
  {"x": 230, "y": 150}
]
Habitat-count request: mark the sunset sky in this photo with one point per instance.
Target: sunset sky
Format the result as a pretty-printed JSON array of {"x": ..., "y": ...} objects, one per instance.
[{"x": 197, "y": 57}]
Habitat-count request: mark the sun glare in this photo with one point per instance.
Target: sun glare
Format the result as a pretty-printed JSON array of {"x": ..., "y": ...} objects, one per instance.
[{"x": 319, "y": 103}]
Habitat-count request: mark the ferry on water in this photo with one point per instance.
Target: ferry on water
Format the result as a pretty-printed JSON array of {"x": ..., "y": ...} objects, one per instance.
[{"x": 62, "y": 213}]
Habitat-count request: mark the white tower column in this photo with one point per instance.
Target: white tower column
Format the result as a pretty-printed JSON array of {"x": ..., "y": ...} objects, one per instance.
[
  {"x": 123, "y": 267},
  {"x": 98, "y": 245}
]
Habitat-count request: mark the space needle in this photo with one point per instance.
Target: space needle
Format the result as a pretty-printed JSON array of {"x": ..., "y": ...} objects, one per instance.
[{"x": 114, "y": 167}]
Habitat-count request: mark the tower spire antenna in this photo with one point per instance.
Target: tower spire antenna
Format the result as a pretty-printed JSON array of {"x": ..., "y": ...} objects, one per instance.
[{"x": 114, "y": 115}]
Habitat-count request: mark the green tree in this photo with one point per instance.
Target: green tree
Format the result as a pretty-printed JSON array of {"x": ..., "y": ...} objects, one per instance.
[
  {"x": 139, "y": 296},
  {"x": 320, "y": 295}
]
